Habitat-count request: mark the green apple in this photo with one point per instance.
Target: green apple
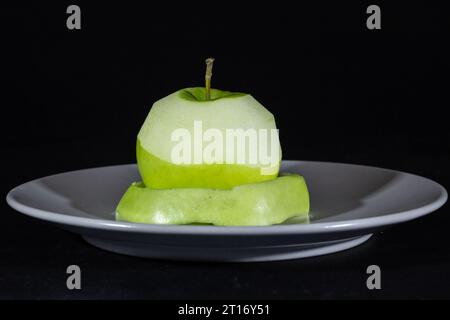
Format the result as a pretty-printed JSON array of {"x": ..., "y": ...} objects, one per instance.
[
  {"x": 256, "y": 204},
  {"x": 224, "y": 112}
]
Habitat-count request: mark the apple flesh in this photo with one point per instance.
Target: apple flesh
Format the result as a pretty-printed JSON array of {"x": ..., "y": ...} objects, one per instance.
[
  {"x": 257, "y": 204},
  {"x": 225, "y": 110}
]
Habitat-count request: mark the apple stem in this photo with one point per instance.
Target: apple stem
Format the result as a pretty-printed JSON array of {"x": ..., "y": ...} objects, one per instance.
[{"x": 208, "y": 75}]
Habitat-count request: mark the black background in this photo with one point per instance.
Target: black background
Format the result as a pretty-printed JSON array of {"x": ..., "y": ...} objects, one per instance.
[{"x": 339, "y": 92}]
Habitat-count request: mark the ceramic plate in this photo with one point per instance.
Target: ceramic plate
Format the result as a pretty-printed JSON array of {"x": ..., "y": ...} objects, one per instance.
[{"x": 348, "y": 203}]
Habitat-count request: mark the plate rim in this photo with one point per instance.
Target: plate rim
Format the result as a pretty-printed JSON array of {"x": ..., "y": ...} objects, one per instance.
[{"x": 314, "y": 228}]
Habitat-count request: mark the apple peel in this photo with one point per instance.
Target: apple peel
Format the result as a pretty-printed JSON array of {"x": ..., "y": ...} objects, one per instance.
[{"x": 256, "y": 204}]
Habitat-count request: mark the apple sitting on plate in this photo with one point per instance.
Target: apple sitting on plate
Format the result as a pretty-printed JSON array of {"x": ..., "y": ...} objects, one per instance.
[{"x": 221, "y": 183}]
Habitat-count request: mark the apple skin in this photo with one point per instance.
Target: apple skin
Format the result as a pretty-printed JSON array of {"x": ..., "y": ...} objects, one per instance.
[
  {"x": 160, "y": 174},
  {"x": 257, "y": 204},
  {"x": 224, "y": 110}
]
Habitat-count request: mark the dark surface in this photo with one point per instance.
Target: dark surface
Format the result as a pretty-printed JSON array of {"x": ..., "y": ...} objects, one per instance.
[{"x": 76, "y": 99}]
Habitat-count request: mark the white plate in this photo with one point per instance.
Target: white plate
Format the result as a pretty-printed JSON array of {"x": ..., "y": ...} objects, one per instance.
[{"x": 348, "y": 203}]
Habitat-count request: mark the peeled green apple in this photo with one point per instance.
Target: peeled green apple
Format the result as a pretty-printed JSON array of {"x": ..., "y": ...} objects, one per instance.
[
  {"x": 190, "y": 110},
  {"x": 256, "y": 204}
]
